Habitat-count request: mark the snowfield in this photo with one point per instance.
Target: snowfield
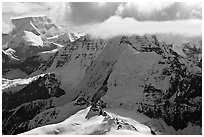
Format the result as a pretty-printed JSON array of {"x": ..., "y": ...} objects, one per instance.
[
  {"x": 78, "y": 124},
  {"x": 33, "y": 39}
]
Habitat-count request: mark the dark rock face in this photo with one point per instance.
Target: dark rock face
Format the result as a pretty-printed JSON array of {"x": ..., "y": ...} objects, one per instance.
[
  {"x": 25, "y": 104},
  {"x": 22, "y": 114},
  {"x": 43, "y": 88},
  {"x": 28, "y": 65},
  {"x": 193, "y": 51},
  {"x": 29, "y": 60},
  {"x": 182, "y": 102},
  {"x": 185, "y": 90}
]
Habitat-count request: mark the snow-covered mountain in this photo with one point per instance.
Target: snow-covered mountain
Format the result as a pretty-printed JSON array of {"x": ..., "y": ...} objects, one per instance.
[
  {"x": 28, "y": 30},
  {"x": 84, "y": 85},
  {"x": 31, "y": 37}
]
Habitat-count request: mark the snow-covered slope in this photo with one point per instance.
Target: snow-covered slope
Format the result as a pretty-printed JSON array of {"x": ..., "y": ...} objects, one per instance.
[
  {"x": 98, "y": 125},
  {"x": 33, "y": 39},
  {"x": 110, "y": 122}
]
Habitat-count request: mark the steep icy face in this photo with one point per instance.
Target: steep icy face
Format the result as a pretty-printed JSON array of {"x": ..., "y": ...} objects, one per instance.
[{"x": 71, "y": 61}]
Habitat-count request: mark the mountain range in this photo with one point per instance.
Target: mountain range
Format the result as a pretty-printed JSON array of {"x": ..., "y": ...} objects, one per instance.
[{"x": 56, "y": 82}]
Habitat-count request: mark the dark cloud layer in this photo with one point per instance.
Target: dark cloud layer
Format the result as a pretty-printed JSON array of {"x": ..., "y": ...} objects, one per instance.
[{"x": 82, "y": 13}]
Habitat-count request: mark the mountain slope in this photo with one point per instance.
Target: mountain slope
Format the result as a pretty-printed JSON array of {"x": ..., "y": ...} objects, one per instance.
[
  {"x": 137, "y": 74},
  {"x": 71, "y": 62},
  {"x": 29, "y": 98}
]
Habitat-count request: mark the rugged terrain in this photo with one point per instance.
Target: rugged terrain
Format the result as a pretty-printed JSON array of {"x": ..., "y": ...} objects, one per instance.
[{"x": 84, "y": 85}]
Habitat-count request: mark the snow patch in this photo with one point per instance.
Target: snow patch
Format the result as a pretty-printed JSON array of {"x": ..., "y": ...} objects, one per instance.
[{"x": 33, "y": 38}]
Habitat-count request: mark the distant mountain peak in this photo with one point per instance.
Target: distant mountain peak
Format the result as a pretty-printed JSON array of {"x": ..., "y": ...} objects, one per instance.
[{"x": 41, "y": 24}]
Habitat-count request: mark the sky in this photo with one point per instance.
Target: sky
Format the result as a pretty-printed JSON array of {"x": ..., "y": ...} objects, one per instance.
[{"x": 105, "y": 19}]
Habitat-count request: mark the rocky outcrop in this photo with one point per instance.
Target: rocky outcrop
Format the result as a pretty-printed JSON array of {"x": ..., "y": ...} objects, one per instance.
[{"x": 23, "y": 105}]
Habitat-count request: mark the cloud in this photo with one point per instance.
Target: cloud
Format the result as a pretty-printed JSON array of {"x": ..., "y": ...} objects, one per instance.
[
  {"x": 116, "y": 25},
  {"x": 92, "y": 12},
  {"x": 89, "y": 12},
  {"x": 14, "y": 9},
  {"x": 78, "y": 14},
  {"x": 160, "y": 11},
  {"x": 144, "y": 7},
  {"x": 6, "y": 27},
  {"x": 56, "y": 11}
]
